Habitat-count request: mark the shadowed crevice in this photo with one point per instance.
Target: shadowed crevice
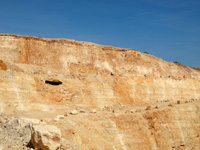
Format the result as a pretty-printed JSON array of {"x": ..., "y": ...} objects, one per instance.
[{"x": 53, "y": 82}]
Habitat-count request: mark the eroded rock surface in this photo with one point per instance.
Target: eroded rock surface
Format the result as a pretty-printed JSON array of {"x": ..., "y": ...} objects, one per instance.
[
  {"x": 123, "y": 99},
  {"x": 14, "y": 133}
]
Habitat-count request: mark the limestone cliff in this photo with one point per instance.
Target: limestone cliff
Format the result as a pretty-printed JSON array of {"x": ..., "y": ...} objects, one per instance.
[{"x": 55, "y": 75}]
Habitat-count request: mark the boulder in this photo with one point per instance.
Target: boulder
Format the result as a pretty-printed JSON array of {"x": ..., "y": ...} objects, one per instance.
[{"x": 45, "y": 137}]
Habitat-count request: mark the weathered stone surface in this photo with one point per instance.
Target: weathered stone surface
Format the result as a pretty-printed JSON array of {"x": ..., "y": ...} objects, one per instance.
[{"x": 46, "y": 137}]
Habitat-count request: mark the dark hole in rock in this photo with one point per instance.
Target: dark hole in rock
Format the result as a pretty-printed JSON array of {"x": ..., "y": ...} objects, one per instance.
[
  {"x": 53, "y": 82},
  {"x": 30, "y": 145}
]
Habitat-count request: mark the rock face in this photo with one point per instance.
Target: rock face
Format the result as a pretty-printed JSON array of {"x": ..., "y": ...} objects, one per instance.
[{"x": 43, "y": 78}]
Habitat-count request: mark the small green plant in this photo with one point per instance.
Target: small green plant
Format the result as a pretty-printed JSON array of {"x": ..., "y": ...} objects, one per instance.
[
  {"x": 146, "y": 52},
  {"x": 176, "y": 62}
]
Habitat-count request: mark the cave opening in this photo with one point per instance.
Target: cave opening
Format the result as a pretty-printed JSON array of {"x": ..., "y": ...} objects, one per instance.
[{"x": 53, "y": 82}]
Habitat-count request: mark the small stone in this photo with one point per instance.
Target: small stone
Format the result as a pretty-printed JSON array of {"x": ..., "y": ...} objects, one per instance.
[
  {"x": 138, "y": 110},
  {"x": 82, "y": 111},
  {"x": 172, "y": 104},
  {"x": 186, "y": 102},
  {"x": 56, "y": 119},
  {"x": 115, "y": 111},
  {"x": 93, "y": 111},
  {"x": 148, "y": 108},
  {"x": 61, "y": 116},
  {"x": 127, "y": 111},
  {"x": 66, "y": 114},
  {"x": 132, "y": 111},
  {"x": 179, "y": 102},
  {"x": 156, "y": 107},
  {"x": 74, "y": 112}
]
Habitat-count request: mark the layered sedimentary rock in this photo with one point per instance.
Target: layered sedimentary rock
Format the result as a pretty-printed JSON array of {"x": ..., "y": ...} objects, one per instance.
[{"x": 50, "y": 76}]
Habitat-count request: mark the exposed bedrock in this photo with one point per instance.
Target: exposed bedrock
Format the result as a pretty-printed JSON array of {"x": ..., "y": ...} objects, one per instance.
[{"x": 129, "y": 98}]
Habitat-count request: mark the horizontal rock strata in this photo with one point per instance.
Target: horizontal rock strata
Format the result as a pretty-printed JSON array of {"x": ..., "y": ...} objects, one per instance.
[{"x": 122, "y": 98}]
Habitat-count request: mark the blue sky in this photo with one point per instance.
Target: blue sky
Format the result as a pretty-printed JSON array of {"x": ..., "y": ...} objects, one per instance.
[{"x": 168, "y": 29}]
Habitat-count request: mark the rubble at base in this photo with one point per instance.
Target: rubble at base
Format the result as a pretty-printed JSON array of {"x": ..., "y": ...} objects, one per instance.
[{"x": 15, "y": 134}]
